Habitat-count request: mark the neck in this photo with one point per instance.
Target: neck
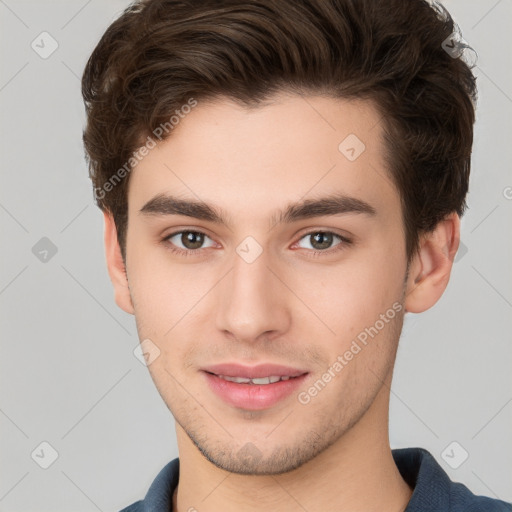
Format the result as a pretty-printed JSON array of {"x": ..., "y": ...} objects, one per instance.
[{"x": 356, "y": 473}]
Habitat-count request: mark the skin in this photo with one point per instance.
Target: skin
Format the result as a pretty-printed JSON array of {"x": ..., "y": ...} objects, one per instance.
[{"x": 286, "y": 307}]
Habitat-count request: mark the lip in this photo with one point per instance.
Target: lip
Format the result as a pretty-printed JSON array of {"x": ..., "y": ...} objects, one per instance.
[
  {"x": 253, "y": 397},
  {"x": 253, "y": 372}
]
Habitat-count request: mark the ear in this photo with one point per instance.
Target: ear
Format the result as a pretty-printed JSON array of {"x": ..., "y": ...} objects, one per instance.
[
  {"x": 116, "y": 267},
  {"x": 429, "y": 270}
]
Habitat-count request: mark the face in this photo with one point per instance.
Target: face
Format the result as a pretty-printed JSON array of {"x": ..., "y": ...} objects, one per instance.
[{"x": 270, "y": 274}]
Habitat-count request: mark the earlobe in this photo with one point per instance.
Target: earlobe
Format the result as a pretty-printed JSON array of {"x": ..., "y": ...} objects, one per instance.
[
  {"x": 430, "y": 268},
  {"x": 115, "y": 265}
]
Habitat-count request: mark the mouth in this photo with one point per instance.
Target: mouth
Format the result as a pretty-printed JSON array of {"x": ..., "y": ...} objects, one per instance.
[
  {"x": 253, "y": 388},
  {"x": 261, "y": 381}
]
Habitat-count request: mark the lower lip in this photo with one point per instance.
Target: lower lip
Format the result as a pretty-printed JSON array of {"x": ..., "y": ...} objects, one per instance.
[{"x": 254, "y": 397}]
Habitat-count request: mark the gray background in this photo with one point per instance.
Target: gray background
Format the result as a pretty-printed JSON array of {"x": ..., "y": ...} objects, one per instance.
[{"x": 68, "y": 373}]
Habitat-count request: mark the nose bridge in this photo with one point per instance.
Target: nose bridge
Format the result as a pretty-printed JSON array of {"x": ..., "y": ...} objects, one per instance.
[{"x": 250, "y": 301}]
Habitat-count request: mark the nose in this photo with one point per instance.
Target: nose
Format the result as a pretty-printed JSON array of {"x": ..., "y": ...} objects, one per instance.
[{"x": 252, "y": 302}]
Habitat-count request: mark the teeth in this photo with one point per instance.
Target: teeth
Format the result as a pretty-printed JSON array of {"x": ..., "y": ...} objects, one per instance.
[
  {"x": 265, "y": 380},
  {"x": 240, "y": 380},
  {"x": 259, "y": 381}
]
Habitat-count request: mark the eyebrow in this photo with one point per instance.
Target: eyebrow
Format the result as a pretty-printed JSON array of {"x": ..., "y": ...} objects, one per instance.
[{"x": 334, "y": 204}]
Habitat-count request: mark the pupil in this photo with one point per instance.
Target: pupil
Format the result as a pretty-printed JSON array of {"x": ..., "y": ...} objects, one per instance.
[
  {"x": 192, "y": 240},
  {"x": 323, "y": 240}
]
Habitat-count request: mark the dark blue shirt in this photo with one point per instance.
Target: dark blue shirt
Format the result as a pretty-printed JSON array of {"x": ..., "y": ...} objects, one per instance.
[{"x": 433, "y": 489}]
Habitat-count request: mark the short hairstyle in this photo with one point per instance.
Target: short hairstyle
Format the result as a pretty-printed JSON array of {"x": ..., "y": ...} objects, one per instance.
[{"x": 160, "y": 54}]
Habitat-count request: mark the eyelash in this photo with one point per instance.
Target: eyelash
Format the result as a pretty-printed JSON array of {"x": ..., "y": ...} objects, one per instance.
[{"x": 313, "y": 253}]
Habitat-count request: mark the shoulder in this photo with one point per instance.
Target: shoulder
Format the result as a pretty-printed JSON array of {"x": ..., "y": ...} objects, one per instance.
[
  {"x": 159, "y": 496},
  {"x": 134, "y": 507},
  {"x": 433, "y": 491},
  {"x": 463, "y": 500}
]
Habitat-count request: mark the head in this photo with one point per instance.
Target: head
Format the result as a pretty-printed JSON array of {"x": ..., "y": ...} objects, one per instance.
[{"x": 233, "y": 131}]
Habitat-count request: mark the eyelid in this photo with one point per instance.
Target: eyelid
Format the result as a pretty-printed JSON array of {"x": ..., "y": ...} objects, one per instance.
[
  {"x": 314, "y": 232},
  {"x": 334, "y": 231},
  {"x": 166, "y": 238},
  {"x": 344, "y": 241}
]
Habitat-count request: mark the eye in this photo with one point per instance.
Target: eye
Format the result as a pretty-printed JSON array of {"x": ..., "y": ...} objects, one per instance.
[
  {"x": 322, "y": 241},
  {"x": 191, "y": 241}
]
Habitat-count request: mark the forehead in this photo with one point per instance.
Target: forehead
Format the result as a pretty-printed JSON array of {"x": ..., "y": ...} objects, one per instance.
[{"x": 258, "y": 159}]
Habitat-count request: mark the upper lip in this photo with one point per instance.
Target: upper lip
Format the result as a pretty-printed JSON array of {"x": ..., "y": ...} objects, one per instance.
[{"x": 253, "y": 372}]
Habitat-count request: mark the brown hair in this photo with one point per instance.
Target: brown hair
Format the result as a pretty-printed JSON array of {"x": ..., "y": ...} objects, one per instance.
[{"x": 161, "y": 53}]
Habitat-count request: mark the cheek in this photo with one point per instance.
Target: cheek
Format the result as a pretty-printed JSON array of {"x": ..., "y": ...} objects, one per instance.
[
  {"x": 345, "y": 297},
  {"x": 160, "y": 288},
  {"x": 348, "y": 297}
]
